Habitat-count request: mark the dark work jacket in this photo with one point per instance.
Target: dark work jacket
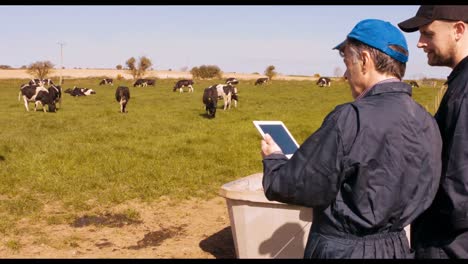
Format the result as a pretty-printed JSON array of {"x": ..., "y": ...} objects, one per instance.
[
  {"x": 371, "y": 168},
  {"x": 442, "y": 231}
]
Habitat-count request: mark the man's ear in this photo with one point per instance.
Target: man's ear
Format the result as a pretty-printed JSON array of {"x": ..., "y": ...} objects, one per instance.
[
  {"x": 460, "y": 28},
  {"x": 365, "y": 60},
  {"x": 365, "y": 57}
]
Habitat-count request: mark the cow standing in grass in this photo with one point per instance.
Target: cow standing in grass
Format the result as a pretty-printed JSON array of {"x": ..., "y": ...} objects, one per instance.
[
  {"x": 40, "y": 96},
  {"x": 122, "y": 95},
  {"x": 232, "y": 81},
  {"x": 324, "y": 81},
  {"x": 107, "y": 81},
  {"x": 183, "y": 83},
  {"x": 210, "y": 99},
  {"x": 144, "y": 82},
  {"x": 227, "y": 93},
  {"x": 261, "y": 81},
  {"x": 140, "y": 83}
]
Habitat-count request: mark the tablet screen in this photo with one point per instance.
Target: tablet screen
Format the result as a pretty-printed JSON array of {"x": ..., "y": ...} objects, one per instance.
[{"x": 280, "y": 135}]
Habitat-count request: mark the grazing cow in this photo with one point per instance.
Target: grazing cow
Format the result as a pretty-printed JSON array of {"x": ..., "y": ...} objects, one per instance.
[
  {"x": 107, "y": 81},
  {"x": 324, "y": 81},
  {"x": 261, "y": 81},
  {"x": 210, "y": 99},
  {"x": 227, "y": 92},
  {"x": 232, "y": 80},
  {"x": 140, "y": 83},
  {"x": 183, "y": 83},
  {"x": 122, "y": 95},
  {"x": 40, "y": 96},
  {"x": 76, "y": 91},
  {"x": 414, "y": 84}
]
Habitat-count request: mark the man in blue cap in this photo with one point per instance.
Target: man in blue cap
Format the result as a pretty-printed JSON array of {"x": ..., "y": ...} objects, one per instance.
[
  {"x": 442, "y": 230},
  {"x": 374, "y": 164}
]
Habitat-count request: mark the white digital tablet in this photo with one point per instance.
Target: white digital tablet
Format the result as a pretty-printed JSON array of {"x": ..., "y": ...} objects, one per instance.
[{"x": 280, "y": 135}]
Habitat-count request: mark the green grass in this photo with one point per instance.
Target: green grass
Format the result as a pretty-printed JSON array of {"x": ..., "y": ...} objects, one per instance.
[{"x": 88, "y": 154}]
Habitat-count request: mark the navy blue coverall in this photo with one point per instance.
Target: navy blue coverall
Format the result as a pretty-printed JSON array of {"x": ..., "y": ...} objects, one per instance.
[
  {"x": 371, "y": 168},
  {"x": 442, "y": 231}
]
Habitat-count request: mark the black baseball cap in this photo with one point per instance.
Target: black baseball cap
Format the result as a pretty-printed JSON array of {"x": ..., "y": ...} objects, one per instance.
[{"x": 428, "y": 13}]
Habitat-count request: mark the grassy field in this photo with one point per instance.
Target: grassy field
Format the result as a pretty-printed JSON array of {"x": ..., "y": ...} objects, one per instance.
[{"x": 89, "y": 154}]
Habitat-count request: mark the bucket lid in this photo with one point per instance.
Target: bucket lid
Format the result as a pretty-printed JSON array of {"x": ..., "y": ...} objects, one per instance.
[{"x": 249, "y": 188}]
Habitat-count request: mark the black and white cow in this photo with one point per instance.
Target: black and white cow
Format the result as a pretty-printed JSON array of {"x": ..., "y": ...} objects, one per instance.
[
  {"x": 144, "y": 82},
  {"x": 140, "y": 83},
  {"x": 414, "y": 84},
  {"x": 261, "y": 81},
  {"x": 210, "y": 99},
  {"x": 76, "y": 91},
  {"x": 228, "y": 93},
  {"x": 122, "y": 95},
  {"x": 324, "y": 81},
  {"x": 107, "y": 81},
  {"x": 40, "y": 96},
  {"x": 232, "y": 80},
  {"x": 183, "y": 83}
]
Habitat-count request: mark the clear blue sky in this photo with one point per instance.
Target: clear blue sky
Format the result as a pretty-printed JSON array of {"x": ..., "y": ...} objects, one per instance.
[{"x": 297, "y": 40}]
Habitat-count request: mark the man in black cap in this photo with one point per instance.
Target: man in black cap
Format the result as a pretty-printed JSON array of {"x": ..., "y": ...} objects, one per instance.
[
  {"x": 442, "y": 230},
  {"x": 374, "y": 164}
]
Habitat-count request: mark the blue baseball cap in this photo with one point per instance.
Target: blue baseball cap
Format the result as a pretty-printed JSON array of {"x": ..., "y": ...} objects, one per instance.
[{"x": 379, "y": 34}]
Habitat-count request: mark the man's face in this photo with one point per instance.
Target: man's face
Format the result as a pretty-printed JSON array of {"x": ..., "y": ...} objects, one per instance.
[
  {"x": 437, "y": 40},
  {"x": 353, "y": 73}
]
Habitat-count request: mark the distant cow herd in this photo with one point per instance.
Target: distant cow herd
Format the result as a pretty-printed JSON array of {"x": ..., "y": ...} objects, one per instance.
[{"x": 45, "y": 93}]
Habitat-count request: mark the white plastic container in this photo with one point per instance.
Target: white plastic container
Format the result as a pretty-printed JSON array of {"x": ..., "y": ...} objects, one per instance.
[{"x": 262, "y": 228}]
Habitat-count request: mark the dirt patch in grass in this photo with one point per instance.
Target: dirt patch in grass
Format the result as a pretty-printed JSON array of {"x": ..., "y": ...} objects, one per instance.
[
  {"x": 108, "y": 219},
  {"x": 190, "y": 229}
]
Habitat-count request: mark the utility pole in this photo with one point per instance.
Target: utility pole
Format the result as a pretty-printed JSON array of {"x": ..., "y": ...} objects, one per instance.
[{"x": 61, "y": 60}]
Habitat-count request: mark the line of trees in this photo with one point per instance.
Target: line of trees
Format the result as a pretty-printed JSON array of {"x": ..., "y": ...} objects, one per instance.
[{"x": 138, "y": 69}]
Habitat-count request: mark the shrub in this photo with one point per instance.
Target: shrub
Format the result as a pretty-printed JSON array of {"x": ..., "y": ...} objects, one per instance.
[
  {"x": 270, "y": 72},
  {"x": 206, "y": 72},
  {"x": 138, "y": 70},
  {"x": 40, "y": 69}
]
